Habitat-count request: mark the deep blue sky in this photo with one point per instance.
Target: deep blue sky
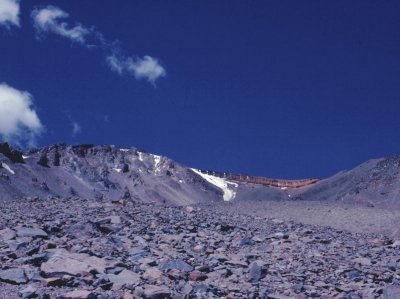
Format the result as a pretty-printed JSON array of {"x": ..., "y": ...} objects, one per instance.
[{"x": 286, "y": 89}]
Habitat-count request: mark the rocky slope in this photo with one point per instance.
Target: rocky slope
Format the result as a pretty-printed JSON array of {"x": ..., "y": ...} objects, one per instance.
[
  {"x": 77, "y": 248},
  {"x": 109, "y": 172},
  {"x": 100, "y": 172},
  {"x": 102, "y": 222}
]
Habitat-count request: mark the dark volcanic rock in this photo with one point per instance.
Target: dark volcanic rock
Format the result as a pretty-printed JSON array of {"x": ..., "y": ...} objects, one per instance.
[
  {"x": 12, "y": 154},
  {"x": 43, "y": 160}
]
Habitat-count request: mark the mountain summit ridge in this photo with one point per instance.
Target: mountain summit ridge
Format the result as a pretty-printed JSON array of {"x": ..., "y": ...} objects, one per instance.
[{"x": 106, "y": 171}]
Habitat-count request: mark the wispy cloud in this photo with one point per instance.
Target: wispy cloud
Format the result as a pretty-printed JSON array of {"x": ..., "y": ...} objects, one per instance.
[
  {"x": 76, "y": 128},
  {"x": 53, "y": 20},
  {"x": 9, "y": 13},
  {"x": 50, "y": 20},
  {"x": 19, "y": 122},
  {"x": 141, "y": 68}
]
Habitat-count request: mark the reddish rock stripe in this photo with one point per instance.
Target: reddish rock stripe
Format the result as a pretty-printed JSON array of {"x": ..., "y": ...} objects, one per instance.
[{"x": 261, "y": 180}]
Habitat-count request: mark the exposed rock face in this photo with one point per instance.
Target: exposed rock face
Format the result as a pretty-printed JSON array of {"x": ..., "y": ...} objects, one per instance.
[
  {"x": 43, "y": 160},
  {"x": 103, "y": 172},
  {"x": 106, "y": 171},
  {"x": 12, "y": 154},
  {"x": 261, "y": 180}
]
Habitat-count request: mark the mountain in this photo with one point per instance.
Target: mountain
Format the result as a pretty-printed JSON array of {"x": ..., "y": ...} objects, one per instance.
[
  {"x": 106, "y": 171},
  {"x": 103, "y": 222},
  {"x": 375, "y": 183},
  {"x": 100, "y": 171}
]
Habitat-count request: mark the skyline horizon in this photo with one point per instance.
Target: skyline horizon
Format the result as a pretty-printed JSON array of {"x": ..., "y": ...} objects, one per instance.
[{"x": 275, "y": 89}]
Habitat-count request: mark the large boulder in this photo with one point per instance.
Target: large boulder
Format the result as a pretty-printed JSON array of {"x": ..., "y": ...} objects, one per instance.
[
  {"x": 125, "y": 277},
  {"x": 63, "y": 262},
  {"x": 13, "y": 276},
  {"x": 176, "y": 264},
  {"x": 7, "y": 234},
  {"x": 31, "y": 232}
]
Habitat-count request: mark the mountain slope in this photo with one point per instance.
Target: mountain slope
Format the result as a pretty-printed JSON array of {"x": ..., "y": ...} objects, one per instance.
[
  {"x": 102, "y": 171},
  {"x": 109, "y": 172},
  {"x": 373, "y": 183}
]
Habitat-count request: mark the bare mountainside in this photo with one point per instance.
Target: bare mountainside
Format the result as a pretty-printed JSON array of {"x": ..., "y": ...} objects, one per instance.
[
  {"x": 110, "y": 172},
  {"x": 100, "y": 172},
  {"x": 108, "y": 223}
]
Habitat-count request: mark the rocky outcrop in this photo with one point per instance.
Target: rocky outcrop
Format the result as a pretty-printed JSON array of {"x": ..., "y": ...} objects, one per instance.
[
  {"x": 261, "y": 180},
  {"x": 12, "y": 154}
]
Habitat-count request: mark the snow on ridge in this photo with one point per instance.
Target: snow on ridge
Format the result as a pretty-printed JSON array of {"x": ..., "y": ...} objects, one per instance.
[
  {"x": 8, "y": 168},
  {"x": 140, "y": 156},
  {"x": 124, "y": 149},
  {"x": 157, "y": 160},
  {"x": 226, "y": 186}
]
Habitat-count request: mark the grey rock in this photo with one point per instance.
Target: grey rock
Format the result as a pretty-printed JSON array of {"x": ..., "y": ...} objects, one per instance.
[
  {"x": 255, "y": 272},
  {"x": 175, "y": 264},
  {"x": 392, "y": 292},
  {"x": 125, "y": 277},
  {"x": 28, "y": 292},
  {"x": 7, "y": 234},
  {"x": 31, "y": 232},
  {"x": 13, "y": 276},
  {"x": 63, "y": 262},
  {"x": 78, "y": 294},
  {"x": 277, "y": 296},
  {"x": 156, "y": 292}
]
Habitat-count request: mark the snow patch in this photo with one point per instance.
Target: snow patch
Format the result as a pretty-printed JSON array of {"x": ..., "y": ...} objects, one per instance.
[
  {"x": 283, "y": 188},
  {"x": 25, "y": 157},
  {"x": 140, "y": 156},
  {"x": 157, "y": 160},
  {"x": 229, "y": 188},
  {"x": 124, "y": 149},
  {"x": 118, "y": 170},
  {"x": 8, "y": 168}
]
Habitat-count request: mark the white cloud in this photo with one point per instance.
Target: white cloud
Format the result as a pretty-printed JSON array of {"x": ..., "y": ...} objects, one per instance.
[
  {"x": 142, "y": 68},
  {"x": 147, "y": 68},
  {"x": 19, "y": 122},
  {"x": 49, "y": 20},
  {"x": 116, "y": 64},
  {"x": 9, "y": 12},
  {"x": 76, "y": 128}
]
